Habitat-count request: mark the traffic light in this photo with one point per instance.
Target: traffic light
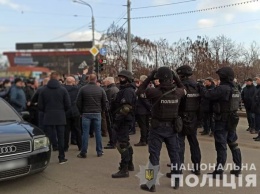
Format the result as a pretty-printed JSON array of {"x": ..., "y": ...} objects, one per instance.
[{"x": 101, "y": 65}]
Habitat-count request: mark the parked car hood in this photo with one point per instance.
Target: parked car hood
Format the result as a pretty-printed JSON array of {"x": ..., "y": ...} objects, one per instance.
[{"x": 13, "y": 131}]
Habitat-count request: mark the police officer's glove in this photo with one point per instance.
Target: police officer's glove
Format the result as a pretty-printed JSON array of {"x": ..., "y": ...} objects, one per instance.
[
  {"x": 177, "y": 79},
  {"x": 152, "y": 75}
]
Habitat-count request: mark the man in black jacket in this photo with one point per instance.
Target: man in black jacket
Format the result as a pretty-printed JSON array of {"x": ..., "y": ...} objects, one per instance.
[
  {"x": 91, "y": 101},
  {"x": 111, "y": 92},
  {"x": 72, "y": 115},
  {"x": 34, "y": 102},
  {"x": 142, "y": 114},
  {"x": 206, "y": 108},
  {"x": 247, "y": 95},
  {"x": 54, "y": 101}
]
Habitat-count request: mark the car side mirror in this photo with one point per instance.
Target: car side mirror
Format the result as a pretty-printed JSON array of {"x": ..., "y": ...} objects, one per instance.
[{"x": 25, "y": 115}]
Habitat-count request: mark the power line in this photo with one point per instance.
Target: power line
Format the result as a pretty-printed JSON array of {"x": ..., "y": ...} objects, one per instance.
[
  {"x": 58, "y": 37},
  {"x": 161, "y": 5},
  {"x": 198, "y": 10},
  {"x": 58, "y": 14},
  {"x": 122, "y": 17},
  {"x": 192, "y": 29}
]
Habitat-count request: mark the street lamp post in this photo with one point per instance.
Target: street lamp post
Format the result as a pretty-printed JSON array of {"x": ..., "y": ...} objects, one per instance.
[{"x": 92, "y": 22}]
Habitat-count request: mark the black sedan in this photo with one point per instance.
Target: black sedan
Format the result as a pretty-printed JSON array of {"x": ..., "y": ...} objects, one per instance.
[{"x": 24, "y": 148}]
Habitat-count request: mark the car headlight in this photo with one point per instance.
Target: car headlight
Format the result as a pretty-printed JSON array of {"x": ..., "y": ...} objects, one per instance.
[{"x": 39, "y": 143}]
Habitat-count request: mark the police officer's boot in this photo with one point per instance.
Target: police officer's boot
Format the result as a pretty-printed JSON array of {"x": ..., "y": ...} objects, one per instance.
[
  {"x": 216, "y": 174},
  {"x": 123, "y": 171},
  {"x": 146, "y": 188},
  {"x": 196, "y": 169},
  {"x": 130, "y": 163},
  {"x": 235, "y": 172},
  {"x": 176, "y": 176},
  {"x": 176, "y": 183}
]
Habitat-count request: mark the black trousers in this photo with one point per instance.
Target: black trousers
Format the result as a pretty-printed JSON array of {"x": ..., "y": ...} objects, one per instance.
[
  {"x": 143, "y": 123},
  {"x": 194, "y": 149},
  {"x": 111, "y": 131},
  {"x": 59, "y": 131},
  {"x": 73, "y": 124}
]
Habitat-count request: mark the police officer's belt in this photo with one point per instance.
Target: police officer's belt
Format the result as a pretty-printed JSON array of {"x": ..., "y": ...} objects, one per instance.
[{"x": 156, "y": 123}]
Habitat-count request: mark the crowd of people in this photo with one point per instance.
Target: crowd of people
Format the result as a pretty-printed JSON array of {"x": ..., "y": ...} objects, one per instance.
[{"x": 167, "y": 106}]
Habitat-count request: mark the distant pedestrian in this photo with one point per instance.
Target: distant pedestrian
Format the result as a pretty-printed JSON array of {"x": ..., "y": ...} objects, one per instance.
[{"x": 17, "y": 95}]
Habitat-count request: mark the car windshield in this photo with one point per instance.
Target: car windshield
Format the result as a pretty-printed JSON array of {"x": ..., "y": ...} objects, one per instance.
[{"x": 7, "y": 113}]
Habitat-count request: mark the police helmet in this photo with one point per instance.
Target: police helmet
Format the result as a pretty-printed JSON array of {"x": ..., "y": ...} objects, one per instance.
[
  {"x": 184, "y": 70},
  {"x": 127, "y": 74},
  {"x": 164, "y": 73},
  {"x": 226, "y": 74}
]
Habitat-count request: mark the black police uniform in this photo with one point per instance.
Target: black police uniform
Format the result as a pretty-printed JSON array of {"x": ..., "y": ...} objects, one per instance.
[
  {"x": 164, "y": 112},
  {"x": 225, "y": 105},
  {"x": 123, "y": 108},
  {"x": 189, "y": 109}
]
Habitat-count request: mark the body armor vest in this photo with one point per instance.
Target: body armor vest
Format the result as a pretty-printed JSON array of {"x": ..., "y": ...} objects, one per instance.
[
  {"x": 191, "y": 102},
  {"x": 233, "y": 104},
  {"x": 166, "y": 109}
]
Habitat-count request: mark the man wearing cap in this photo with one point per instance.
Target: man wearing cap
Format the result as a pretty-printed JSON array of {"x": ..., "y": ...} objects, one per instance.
[
  {"x": 247, "y": 95},
  {"x": 206, "y": 107},
  {"x": 17, "y": 95}
]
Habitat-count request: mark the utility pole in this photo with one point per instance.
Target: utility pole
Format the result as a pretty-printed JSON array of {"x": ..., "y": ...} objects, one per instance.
[
  {"x": 156, "y": 57},
  {"x": 68, "y": 66},
  {"x": 129, "y": 42},
  {"x": 93, "y": 35}
]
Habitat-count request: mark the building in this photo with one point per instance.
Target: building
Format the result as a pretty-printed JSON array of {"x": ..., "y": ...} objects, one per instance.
[{"x": 64, "y": 57}]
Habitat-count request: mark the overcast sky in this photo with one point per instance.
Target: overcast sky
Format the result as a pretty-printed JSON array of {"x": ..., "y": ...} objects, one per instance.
[{"x": 63, "y": 20}]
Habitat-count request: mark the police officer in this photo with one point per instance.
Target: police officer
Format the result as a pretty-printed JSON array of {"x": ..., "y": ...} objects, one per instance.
[
  {"x": 124, "y": 108},
  {"x": 189, "y": 109},
  {"x": 225, "y": 99},
  {"x": 165, "y": 101}
]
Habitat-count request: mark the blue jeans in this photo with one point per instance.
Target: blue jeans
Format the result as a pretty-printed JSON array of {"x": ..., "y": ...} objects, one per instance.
[{"x": 93, "y": 119}]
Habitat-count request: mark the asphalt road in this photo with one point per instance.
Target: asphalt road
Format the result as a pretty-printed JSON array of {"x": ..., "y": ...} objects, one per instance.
[{"x": 93, "y": 174}]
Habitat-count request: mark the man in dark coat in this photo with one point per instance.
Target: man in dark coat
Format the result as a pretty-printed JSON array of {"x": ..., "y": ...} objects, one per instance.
[
  {"x": 34, "y": 102},
  {"x": 73, "y": 116},
  {"x": 111, "y": 92},
  {"x": 142, "y": 114},
  {"x": 247, "y": 97},
  {"x": 206, "y": 108},
  {"x": 54, "y": 101}
]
